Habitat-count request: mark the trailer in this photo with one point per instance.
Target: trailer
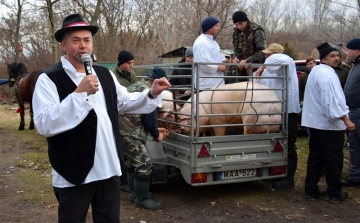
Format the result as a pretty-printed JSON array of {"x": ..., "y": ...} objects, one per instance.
[{"x": 204, "y": 159}]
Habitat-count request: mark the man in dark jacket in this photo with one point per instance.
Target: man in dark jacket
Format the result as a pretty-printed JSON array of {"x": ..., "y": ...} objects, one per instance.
[
  {"x": 184, "y": 69},
  {"x": 310, "y": 63},
  {"x": 341, "y": 70},
  {"x": 352, "y": 92}
]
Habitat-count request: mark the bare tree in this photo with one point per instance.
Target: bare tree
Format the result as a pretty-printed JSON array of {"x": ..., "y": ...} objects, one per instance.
[{"x": 17, "y": 13}]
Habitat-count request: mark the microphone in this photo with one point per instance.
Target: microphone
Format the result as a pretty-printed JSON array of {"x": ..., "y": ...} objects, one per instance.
[{"x": 86, "y": 59}]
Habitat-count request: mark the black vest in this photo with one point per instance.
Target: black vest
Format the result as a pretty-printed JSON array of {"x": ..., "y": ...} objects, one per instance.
[{"x": 71, "y": 153}]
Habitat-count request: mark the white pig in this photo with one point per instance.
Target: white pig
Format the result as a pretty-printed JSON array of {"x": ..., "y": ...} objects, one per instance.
[{"x": 251, "y": 94}]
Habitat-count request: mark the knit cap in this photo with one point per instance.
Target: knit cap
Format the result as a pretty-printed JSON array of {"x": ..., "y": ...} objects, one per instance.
[
  {"x": 124, "y": 56},
  {"x": 208, "y": 23},
  {"x": 324, "y": 49},
  {"x": 239, "y": 16},
  {"x": 353, "y": 44},
  {"x": 157, "y": 73}
]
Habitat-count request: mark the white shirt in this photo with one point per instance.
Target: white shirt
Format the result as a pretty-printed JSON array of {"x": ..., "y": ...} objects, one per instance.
[
  {"x": 206, "y": 49},
  {"x": 293, "y": 102},
  {"x": 52, "y": 117},
  {"x": 324, "y": 100}
]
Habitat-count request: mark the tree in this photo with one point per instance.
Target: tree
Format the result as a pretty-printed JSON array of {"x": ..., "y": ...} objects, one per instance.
[{"x": 288, "y": 50}]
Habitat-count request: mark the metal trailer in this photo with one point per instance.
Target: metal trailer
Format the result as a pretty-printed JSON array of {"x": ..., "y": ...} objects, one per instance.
[{"x": 210, "y": 160}]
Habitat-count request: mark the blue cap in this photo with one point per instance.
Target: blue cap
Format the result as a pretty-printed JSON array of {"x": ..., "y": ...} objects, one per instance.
[
  {"x": 353, "y": 44},
  {"x": 208, "y": 23},
  {"x": 157, "y": 73}
]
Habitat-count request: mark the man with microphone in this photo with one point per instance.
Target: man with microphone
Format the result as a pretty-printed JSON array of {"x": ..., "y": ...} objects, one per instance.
[{"x": 81, "y": 127}]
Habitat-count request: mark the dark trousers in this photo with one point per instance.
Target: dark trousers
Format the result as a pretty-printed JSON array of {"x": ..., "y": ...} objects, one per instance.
[
  {"x": 292, "y": 154},
  {"x": 325, "y": 148},
  {"x": 103, "y": 195},
  {"x": 354, "y": 146}
]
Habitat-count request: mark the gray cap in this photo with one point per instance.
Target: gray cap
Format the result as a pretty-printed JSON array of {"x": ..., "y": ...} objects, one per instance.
[
  {"x": 189, "y": 52},
  {"x": 338, "y": 46}
]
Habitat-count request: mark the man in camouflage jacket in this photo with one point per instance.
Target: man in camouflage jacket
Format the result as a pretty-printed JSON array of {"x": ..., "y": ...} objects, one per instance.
[
  {"x": 134, "y": 129},
  {"x": 249, "y": 40}
]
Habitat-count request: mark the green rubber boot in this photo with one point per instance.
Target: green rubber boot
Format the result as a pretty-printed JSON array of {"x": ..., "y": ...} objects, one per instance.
[{"x": 142, "y": 196}]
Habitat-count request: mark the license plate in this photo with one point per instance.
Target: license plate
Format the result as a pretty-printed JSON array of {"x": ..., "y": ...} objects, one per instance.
[
  {"x": 241, "y": 157},
  {"x": 238, "y": 173}
]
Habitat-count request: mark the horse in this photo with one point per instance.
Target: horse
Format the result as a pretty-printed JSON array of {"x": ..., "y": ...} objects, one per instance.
[{"x": 24, "y": 84}]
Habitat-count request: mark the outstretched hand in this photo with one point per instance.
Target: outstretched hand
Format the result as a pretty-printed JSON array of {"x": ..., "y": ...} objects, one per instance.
[
  {"x": 163, "y": 133},
  {"x": 158, "y": 86}
]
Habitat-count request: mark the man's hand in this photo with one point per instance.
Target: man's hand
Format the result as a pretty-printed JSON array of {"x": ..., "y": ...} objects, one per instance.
[
  {"x": 187, "y": 92},
  {"x": 158, "y": 86},
  {"x": 89, "y": 84},
  {"x": 350, "y": 125},
  {"x": 222, "y": 68},
  {"x": 163, "y": 133},
  {"x": 242, "y": 67},
  {"x": 260, "y": 71}
]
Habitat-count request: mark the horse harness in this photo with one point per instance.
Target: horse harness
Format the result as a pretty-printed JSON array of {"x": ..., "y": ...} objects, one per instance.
[{"x": 17, "y": 84}]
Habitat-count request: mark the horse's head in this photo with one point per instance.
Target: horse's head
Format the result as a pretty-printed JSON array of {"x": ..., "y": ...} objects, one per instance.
[{"x": 14, "y": 71}]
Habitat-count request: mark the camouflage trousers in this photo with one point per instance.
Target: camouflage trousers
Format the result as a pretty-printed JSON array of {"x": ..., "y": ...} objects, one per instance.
[{"x": 137, "y": 157}]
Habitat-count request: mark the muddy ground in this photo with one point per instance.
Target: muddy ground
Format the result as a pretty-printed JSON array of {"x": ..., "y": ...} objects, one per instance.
[{"x": 247, "y": 202}]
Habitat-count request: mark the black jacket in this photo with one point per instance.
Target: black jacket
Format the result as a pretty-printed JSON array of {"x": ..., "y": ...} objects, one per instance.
[{"x": 182, "y": 70}]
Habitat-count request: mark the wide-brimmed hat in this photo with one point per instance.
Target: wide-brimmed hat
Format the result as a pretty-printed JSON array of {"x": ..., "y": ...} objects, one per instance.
[
  {"x": 74, "y": 22},
  {"x": 274, "y": 48}
]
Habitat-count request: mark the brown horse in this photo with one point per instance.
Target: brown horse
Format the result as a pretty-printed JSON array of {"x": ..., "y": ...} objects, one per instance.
[{"x": 24, "y": 84}]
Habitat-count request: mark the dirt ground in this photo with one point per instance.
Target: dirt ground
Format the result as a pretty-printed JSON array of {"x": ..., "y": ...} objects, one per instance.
[{"x": 247, "y": 202}]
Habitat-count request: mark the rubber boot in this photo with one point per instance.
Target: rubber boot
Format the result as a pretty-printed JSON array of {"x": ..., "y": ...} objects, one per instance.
[
  {"x": 142, "y": 196},
  {"x": 130, "y": 180}
]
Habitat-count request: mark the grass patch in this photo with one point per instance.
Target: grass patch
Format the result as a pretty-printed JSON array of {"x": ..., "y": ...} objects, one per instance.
[
  {"x": 10, "y": 122},
  {"x": 36, "y": 161},
  {"x": 34, "y": 167},
  {"x": 37, "y": 186}
]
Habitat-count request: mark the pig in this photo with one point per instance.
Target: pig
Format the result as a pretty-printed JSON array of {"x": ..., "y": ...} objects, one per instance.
[
  {"x": 253, "y": 95},
  {"x": 166, "y": 112}
]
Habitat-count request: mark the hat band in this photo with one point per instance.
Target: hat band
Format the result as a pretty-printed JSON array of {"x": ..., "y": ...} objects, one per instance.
[{"x": 76, "y": 24}]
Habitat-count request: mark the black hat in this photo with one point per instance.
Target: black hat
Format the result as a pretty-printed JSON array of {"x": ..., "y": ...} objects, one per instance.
[
  {"x": 239, "y": 16},
  {"x": 124, "y": 56},
  {"x": 157, "y": 73},
  {"x": 74, "y": 22},
  {"x": 324, "y": 49}
]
